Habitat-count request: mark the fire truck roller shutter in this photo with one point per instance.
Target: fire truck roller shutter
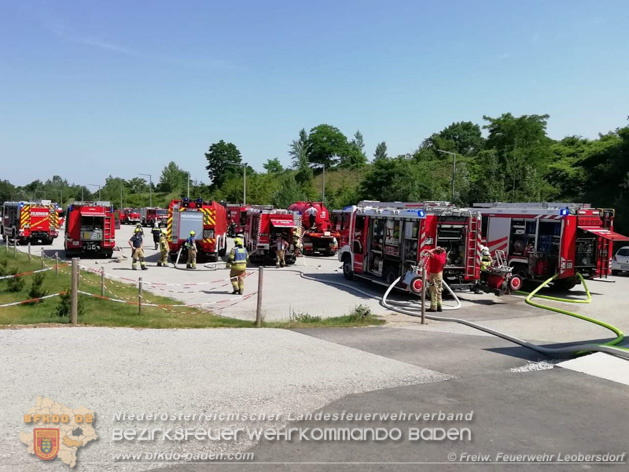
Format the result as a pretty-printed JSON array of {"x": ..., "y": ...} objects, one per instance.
[
  {"x": 605, "y": 233},
  {"x": 191, "y": 221},
  {"x": 279, "y": 223},
  {"x": 99, "y": 212}
]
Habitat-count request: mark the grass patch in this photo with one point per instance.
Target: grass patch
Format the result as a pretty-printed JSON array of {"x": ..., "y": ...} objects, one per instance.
[
  {"x": 359, "y": 316},
  {"x": 92, "y": 311},
  {"x": 97, "y": 312}
]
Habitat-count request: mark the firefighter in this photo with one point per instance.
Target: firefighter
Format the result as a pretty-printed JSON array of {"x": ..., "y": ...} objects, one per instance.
[
  {"x": 164, "y": 248},
  {"x": 312, "y": 215},
  {"x": 280, "y": 251},
  {"x": 156, "y": 234},
  {"x": 237, "y": 263},
  {"x": 486, "y": 261},
  {"x": 436, "y": 263},
  {"x": 191, "y": 246},
  {"x": 136, "y": 243}
]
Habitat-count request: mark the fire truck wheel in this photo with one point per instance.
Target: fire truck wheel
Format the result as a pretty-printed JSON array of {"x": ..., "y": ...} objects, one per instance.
[
  {"x": 108, "y": 254},
  {"x": 614, "y": 272},
  {"x": 390, "y": 274},
  {"x": 516, "y": 282},
  {"x": 348, "y": 270},
  {"x": 565, "y": 284}
]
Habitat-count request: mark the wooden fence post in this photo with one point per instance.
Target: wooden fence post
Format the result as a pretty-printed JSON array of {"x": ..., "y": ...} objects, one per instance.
[
  {"x": 140, "y": 296},
  {"x": 259, "y": 304},
  {"x": 102, "y": 281},
  {"x": 74, "y": 296},
  {"x": 423, "y": 294}
]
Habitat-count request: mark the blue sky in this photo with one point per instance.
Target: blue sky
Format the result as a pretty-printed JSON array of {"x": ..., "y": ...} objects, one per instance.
[{"x": 89, "y": 89}]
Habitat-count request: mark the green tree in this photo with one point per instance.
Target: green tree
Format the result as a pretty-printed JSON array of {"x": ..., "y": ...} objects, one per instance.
[
  {"x": 289, "y": 191},
  {"x": 523, "y": 151},
  {"x": 395, "y": 179},
  {"x": 7, "y": 191},
  {"x": 326, "y": 144},
  {"x": 173, "y": 178},
  {"x": 299, "y": 155},
  {"x": 463, "y": 137},
  {"x": 138, "y": 185},
  {"x": 381, "y": 151},
  {"x": 354, "y": 155},
  {"x": 273, "y": 166},
  {"x": 221, "y": 158}
]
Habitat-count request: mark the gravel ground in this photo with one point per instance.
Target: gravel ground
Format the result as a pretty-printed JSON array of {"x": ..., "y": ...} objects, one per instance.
[{"x": 177, "y": 371}]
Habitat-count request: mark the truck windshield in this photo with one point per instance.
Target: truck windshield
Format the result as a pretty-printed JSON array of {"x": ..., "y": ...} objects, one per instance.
[{"x": 162, "y": 212}]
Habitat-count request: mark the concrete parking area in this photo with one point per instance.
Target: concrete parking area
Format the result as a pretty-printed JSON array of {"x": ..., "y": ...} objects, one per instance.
[
  {"x": 523, "y": 401},
  {"x": 316, "y": 286}
]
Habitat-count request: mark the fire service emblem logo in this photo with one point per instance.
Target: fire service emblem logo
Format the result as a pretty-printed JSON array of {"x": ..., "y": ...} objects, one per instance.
[{"x": 46, "y": 442}]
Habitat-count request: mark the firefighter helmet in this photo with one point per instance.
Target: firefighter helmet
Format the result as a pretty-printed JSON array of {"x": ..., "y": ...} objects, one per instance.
[
  {"x": 192, "y": 233},
  {"x": 164, "y": 231},
  {"x": 138, "y": 230},
  {"x": 485, "y": 251},
  {"x": 238, "y": 242}
]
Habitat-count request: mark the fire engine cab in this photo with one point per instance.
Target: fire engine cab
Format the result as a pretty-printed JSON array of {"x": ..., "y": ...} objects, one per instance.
[
  {"x": 262, "y": 229},
  {"x": 455, "y": 229},
  {"x": 90, "y": 229},
  {"x": 237, "y": 218},
  {"x": 320, "y": 237},
  {"x": 30, "y": 221},
  {"x": 544, "y": 239},
  {"x": 130, "y": 216},
  {"x": 207, "y": 219},
  {"x": 149, "y": 216}
]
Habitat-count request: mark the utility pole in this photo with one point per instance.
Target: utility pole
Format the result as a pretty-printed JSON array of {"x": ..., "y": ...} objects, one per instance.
[
  {"x": 188, "y": 194},
  {"x": 453, "y": 154},
  {"x": 150, "y": 188},
  {"x": 121, "y": 202}
]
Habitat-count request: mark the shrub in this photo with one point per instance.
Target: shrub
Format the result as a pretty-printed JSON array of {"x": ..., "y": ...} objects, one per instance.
[
  {"x": 360, "y": 313},
  {"x": 15, "y": 284},
  {"x": 304, "y": 317},
  {"x": 64, "y": 307},
  {"x": 37, "y": 291},
  {"x": 3, "y": 267}
]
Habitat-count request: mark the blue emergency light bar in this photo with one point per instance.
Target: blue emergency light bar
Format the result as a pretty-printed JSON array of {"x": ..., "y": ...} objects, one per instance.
[{"x": 564, "y": 211}]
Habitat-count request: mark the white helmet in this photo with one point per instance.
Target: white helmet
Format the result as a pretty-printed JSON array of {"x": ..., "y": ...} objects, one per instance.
[{"x": 484, "y": 251}]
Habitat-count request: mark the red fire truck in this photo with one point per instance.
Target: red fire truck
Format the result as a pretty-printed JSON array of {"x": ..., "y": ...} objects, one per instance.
[
  {"x": 90, "y": 229},
  {"x": 130, "y": 216},
  {"x": 262, "y": 229},
  {"x": 321, "y": 237},
  {"x": 149, "y": 216},
  {"x": 385, "y": 240},
  {"x": 207, "y": 219},
  {"x": 30, "y": 221},
  {"x": 544, "y": 239},
  {"x": 236, "y": 218}
]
